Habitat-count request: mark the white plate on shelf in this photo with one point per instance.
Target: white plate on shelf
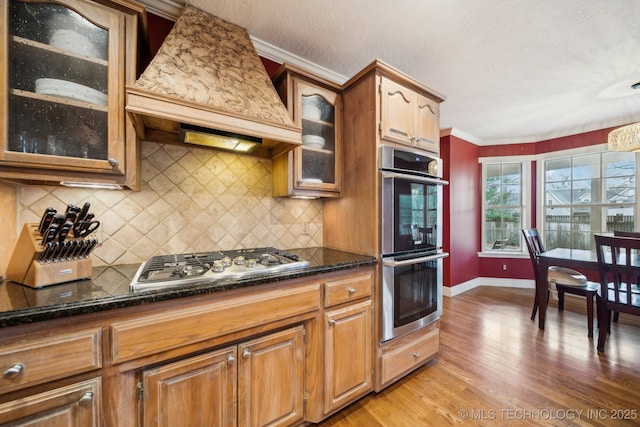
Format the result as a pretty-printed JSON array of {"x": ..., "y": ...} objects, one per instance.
[
  {"x": 313, "y": 141},
  {"x": 70, "y": 90},
  {"x": 73, "y": 42}
]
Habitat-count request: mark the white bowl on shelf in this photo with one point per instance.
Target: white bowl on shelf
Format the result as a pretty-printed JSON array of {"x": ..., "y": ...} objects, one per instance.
[
  {"x": 71, "y": 90},
  {"x": 313, "y": 141},
  {"x": 311, "y": 112}
]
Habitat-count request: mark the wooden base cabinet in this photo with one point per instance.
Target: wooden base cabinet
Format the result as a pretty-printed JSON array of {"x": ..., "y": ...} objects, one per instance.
[
  {"x": 76, "y": 405},
  {"x": 199, "y": 391},
  {"x": 257, "y": 383},
  {"x": 408, "y": 353},
  {"x": 348, "y": 349}
]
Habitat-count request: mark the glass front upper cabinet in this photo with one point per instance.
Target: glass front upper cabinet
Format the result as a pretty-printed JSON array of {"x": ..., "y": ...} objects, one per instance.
[
  {"x": 313, "y": 169},
  {"x": 65, "y": 68}
]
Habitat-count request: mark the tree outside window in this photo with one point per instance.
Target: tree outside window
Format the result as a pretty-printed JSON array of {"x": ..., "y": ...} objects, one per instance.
[{"x": 503, "y": 206}]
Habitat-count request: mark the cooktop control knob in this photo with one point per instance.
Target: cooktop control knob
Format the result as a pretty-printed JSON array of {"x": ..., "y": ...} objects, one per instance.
[
  {"x": 218, "y": 266},
  {"x": 239, "y": 260},
  {"x": 226, "y": 261},
  {"x": 251, "y": 262}
]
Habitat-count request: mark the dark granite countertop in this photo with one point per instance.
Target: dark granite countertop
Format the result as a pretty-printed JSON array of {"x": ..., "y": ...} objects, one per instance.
[{"x": 108, "y": 288}]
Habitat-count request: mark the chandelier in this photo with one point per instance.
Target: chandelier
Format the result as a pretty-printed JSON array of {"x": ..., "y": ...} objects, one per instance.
[{"x": 625, "y": 138}]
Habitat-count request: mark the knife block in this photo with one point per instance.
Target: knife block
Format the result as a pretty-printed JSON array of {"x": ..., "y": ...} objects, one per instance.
[{"x": 25, "y": 267}]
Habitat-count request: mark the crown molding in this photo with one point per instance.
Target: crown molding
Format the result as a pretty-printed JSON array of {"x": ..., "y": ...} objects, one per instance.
[{"x": 460, "y": 134}]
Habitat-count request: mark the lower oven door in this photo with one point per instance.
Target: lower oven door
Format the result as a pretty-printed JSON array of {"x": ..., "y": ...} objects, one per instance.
[{"x": 411, "y": 293}]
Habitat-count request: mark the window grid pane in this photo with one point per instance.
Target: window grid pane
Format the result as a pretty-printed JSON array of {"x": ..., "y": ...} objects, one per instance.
[
  {"x": 580, "y": 200},
  {"x": 503, "y": 210}
]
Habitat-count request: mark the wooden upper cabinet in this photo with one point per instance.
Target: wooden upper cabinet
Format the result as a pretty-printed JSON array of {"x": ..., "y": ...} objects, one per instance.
[
  {"x": 315, "y": 168},
  {"x": 65, "y": 65},
  {"x": 408, "y": 117}
]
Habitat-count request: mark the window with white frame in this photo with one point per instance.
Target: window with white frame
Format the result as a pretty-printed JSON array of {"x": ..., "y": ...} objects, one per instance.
[
  {"x": 586, "y": 194},
  {"x": 503, "y": 205}
]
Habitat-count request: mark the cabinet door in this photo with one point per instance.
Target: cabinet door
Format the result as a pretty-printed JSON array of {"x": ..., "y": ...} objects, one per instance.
[
  {"x": 270, "y": 379},
  {"x": 199, "y": 391},
  {"x": 348, "y": 354},
  {"x": 64, "y": 72},
  {"x": 427, "y": 128},
  {"x": 316, "y": 162},
  {"x": 397, "y": 113},
  {"x": 76, "y": 405}
]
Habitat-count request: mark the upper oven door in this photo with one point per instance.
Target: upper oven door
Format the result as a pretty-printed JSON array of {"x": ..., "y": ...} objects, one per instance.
[{"x": 411, "y": 213}]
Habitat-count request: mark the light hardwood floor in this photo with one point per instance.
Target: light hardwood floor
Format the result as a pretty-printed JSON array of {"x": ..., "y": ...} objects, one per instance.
[{"x": 496, "y": 368}]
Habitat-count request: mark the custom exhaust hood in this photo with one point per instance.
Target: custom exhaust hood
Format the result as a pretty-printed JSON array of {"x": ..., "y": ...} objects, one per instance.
[{"x": 207, "y": 75}]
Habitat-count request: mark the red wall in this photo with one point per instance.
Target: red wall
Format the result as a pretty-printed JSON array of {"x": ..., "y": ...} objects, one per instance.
[{"x": 461, "y": 236}]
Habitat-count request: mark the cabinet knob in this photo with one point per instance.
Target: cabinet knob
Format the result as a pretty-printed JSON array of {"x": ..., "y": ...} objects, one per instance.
[
  {"x": 351, "y": 291},
  {"x": 246, "y": 353},
  {"x": 416, "y": 355},
  {"x": 86, "y": 399},
  {"x": 113, "y": 162},
  {"x": 230, "y": 359},
  {"x": 13, "y": 371},
  {"x": 332, "y": 322}
]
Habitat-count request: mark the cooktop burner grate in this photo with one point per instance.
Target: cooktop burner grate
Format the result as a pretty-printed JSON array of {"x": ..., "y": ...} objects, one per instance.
[{"x": 174, "y": 270}]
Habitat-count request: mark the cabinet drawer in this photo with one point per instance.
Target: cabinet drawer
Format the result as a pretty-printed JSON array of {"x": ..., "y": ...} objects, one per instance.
[
  {"x": 37, "y": 361},
  {"x": 409, "y": 356},
  {"x": 346, "y": 290},
  {"x": 152, "y": 334}
]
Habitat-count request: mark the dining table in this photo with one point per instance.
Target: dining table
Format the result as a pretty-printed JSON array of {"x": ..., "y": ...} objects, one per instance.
[{"x": 577, "y": 259}]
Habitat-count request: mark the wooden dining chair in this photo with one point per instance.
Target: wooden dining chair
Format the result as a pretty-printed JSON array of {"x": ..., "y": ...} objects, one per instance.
[
  {"x": 619, "y": 265},
  {"x": 634, "y": 234},
  {"x": 564, "y": 280}
]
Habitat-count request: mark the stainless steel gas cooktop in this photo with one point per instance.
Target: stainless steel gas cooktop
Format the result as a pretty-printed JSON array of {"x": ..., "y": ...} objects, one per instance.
[{"x": 175, "y": 270}]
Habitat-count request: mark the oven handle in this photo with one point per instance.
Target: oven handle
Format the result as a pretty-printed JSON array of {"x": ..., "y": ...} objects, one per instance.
[
  {"x": 390, "y": 174},
  {"x": 392, "y": 263}
]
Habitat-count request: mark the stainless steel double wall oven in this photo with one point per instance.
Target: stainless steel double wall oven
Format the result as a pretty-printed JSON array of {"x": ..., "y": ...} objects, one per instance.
[{"x": 411, "y": 240}]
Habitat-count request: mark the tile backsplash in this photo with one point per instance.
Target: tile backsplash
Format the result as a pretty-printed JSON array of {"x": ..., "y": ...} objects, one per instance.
[{"x": 192, "y": 199}]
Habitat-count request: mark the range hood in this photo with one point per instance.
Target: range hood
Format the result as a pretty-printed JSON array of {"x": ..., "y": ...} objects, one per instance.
[{"x": 208, "y": 74}]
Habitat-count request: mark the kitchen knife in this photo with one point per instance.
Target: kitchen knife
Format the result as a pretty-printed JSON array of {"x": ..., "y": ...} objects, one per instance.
[
  {"x": 46, "y": 252},
  {"x": 84, "y": 211},
  {"x": 56, "y": 251},
  {"x": 64, "y": 230},
  {"x": 78, "y": 249},
  {"x": 71, "y": 216},
  {"x": 50, "y": 234},
  {"x": 92, "y": 244},
  {"x": 46, "y": 219},
  {"x": 58, "y": 220},
  {"x": 71, "y": 246}
]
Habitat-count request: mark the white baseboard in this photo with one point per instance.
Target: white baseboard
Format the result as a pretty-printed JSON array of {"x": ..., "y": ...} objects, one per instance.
[{"x": 487, "y": 281}]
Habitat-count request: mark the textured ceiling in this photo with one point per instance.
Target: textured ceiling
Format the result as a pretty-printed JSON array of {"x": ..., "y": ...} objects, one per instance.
[{"x": 511, "y": 70}]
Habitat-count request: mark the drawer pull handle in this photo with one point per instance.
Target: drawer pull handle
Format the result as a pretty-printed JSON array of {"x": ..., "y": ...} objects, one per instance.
[
  {"x": 86, "y": 399},
  {"x": 351, "y": 291},
  {"x": 230, "y": 359},
  {"x": 332, "y": 322},
  {"x": 416, "y": 355},
  {"x": 13, "y": 371},
  {"x": 246, "y": 353}
]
